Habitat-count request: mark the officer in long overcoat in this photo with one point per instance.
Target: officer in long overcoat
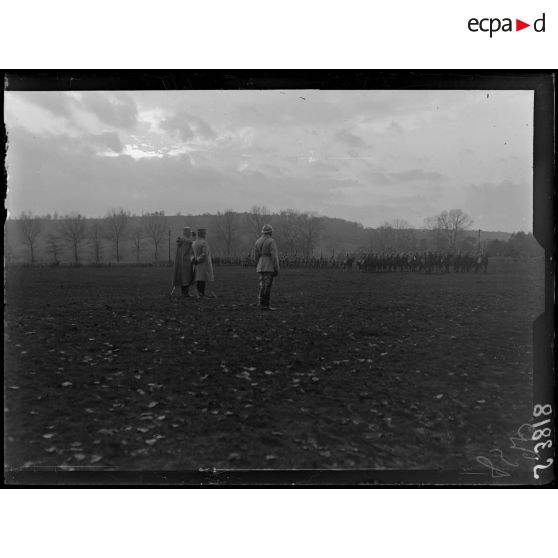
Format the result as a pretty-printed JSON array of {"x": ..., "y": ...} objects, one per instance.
[
  {"x": 183, "y": 275},
  {"x": 203, "y": 266},
  {"x": 267, "y": 259}
]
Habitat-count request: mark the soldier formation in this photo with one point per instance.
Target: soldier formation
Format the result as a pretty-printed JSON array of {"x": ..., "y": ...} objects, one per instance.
[{"x": 425, "y": 262}]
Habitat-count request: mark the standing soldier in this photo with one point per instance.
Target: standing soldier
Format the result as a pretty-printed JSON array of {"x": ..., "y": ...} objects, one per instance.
[
  {"x": 203, "y": 266},
  {"x": 267, "y": 260},
  {"x": 183, "y": 273}
]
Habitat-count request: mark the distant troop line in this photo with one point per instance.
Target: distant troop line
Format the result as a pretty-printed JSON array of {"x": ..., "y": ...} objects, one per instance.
[
  {"x": 292, "y": 261},
  {"x": 426, "y": 262},
  {"x": 372, "y": 262}
]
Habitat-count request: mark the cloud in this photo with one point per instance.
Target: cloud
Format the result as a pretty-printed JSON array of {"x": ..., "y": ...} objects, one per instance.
[
  {"x": 351, "y": 139},
  {"x": 117, "y": 110},
  {"x": 107, "y": 139},
  {"x": 325, "y": 167},
  {"x": 398, "y": 185},
  {"x": 56, "y": 102},
  {"x": 187, "y": 127},
  {"x": 416, "y": 174},
  {"x": 508, "y": 203},
  {"x": 353, "y": 153},
  {"x": 274, "y": 169},
  {"x": 377, "y": 178}
]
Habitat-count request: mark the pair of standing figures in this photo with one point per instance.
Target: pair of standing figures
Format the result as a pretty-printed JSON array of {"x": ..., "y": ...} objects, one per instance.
[{"x": 192, "y": 263}]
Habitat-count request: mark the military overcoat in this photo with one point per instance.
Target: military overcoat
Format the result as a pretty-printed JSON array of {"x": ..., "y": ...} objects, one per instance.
[
  {"x": 183, "y": 274},
  {"x": 203, "y": 263},
  {"x": 266, "y": 255}
]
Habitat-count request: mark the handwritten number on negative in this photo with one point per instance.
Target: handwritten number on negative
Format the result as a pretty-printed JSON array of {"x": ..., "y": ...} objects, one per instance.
[
  {"x": 549, "y": 462},
  {"x": 542, "y": 410},
  {"x": 543, "y": 445}
]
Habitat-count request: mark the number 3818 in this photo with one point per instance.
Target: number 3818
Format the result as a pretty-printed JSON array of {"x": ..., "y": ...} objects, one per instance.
[{"x": 538, "y": 411}]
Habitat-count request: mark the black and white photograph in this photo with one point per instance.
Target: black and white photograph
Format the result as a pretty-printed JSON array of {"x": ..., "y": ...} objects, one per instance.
[{"x": 315, "y": 281}]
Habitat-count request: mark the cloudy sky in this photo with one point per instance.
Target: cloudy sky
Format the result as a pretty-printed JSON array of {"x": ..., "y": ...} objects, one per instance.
[{"x": 368, "y": 156}]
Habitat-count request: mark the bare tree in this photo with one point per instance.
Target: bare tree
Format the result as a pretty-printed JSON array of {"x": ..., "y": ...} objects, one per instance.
[
  {"x": 116, "y": 223},
  {"x": 227, "y": 225},
  {"x": 53, "y": 247},
  {"x": 287, "y": 230},
  {"x": 96, "y": 239},
  {"x": 155, "y": 226},
  {"x": 372, "y": 239},
  {"x": 438, "y": 240},
  {"x": 310, "y": 228},
  {"x": 8, "y": 253},
  {"x": 404, "y": 235},
  {"x": 452, "y": 223},
  {"x": 257, "y": 217},
  {"x": 72, "y": 229},
  {"x": 30, "y": 227},
  {"x": 386, "y": 237},
  {"x": 137, "y": 235}
]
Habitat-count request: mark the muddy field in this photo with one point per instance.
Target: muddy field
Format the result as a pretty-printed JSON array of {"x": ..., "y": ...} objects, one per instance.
[{"x": 399, "y": 370}]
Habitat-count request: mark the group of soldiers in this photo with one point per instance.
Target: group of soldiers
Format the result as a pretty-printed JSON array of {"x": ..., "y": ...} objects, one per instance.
[
  {"x": 285, "y": 260},
  {"x": 427, "y": 262},
  {"x": 193, "y": 265}
]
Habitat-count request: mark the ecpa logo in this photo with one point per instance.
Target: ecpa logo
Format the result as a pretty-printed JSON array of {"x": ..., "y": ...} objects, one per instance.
[{"x": 494, "y": 24}]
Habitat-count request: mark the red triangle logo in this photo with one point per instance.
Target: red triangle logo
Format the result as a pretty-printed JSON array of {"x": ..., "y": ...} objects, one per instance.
[{"x": 519, "y": 25}]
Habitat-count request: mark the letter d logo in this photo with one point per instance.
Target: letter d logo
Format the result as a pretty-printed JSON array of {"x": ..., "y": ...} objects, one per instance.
[{"x": 536, "y": 24}]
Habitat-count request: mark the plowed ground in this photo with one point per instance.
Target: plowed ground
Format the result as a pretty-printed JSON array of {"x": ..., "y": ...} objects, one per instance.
[{"x": 398, "y": 370}]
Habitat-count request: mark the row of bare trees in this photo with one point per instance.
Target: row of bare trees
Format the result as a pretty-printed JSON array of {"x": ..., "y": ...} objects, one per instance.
[
  {"x": 296, "y": 232},
  {"x": 299, "y": 232},
  {"x": 396, "y": 235},
  {"x": 232, "y": 233},
  {"x": 74, "y": 230},
  {"x": 445, "y": 232}
]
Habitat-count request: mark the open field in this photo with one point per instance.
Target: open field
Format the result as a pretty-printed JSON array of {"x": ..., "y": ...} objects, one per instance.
[{"x": 399, "y": 370}]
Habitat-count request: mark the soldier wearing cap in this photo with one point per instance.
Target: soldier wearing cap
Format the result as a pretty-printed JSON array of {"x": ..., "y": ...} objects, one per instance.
[
  {"x": 183, "y": 272},
  {"x": 203, "y": 266},
  {"x": 267, "y": 259}
]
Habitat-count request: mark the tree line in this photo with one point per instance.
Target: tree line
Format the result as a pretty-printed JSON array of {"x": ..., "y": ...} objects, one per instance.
[
  {"x": 519, "y": 245},
  {"x": 75, "y": 232},
  {"x": 120, "y": 235},
  {"x": 230, "y": 233}
]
